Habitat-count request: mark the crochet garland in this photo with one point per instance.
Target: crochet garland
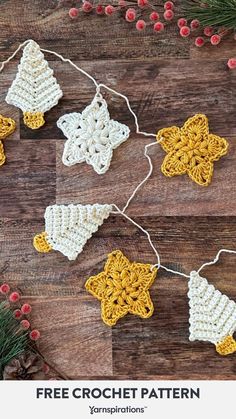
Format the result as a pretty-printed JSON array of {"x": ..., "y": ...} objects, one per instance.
[{"x": 123, "y": 286}]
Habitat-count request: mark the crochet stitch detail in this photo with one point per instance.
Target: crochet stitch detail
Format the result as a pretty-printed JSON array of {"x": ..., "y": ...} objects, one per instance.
[
  {"x": 41, "y": 244},
  {"x": 212, "y": 315},
  {"x": 33, "y": 120},
  {"x": 68, "y": 227},
  {"x": 7, "y": 127},
  {"x": 122, "y": 288},
  {"x": 92, "y": 136},
  {"x": 35, "y": 90},
  {"x": 191, "y": 150},
  {"x": 227, "y": 346}
]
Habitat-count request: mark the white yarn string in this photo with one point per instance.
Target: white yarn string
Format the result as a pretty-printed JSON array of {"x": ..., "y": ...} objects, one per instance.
[
  {"x": 158, "y": 264},
  {"x": 14, "y": 53},
  {"x": 98, "y": 86},
  {"x": 174, "y": 272},
  {"x": 146, "y": 177},
  {"x": 119, "y": 211},
  {"x": 67, "y": 60},
  {"x": 146, "y": 134},
  {"x": 215, "y": 260}
]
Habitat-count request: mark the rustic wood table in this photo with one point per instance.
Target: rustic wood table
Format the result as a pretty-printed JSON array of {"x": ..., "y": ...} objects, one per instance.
[{"x": 167, "y": 80}]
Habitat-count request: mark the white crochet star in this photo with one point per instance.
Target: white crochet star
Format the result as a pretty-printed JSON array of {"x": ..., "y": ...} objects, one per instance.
[{"x": 92, "y": 136}]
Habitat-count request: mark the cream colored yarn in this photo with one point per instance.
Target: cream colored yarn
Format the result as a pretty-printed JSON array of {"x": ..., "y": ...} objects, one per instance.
[
  {"x": 34, "y": 89},
  {"x": 92, "y": 136},
  {"x": 68, "y": 227},
  {"x": 212, "y": 314}
]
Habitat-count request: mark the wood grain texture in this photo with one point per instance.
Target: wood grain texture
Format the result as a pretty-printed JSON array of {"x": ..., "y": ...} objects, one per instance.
[{"x": 167, "y": 80}]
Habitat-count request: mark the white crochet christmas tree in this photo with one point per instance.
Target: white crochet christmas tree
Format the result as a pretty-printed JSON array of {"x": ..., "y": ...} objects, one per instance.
[
  {"x": 68, "y": 227},
  {"x": 212, "y": 315},
  {"x": 35, "y": 90}
]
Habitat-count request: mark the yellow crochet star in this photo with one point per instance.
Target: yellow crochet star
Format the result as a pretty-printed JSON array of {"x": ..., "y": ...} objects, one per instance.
[
  {"x": 191, "y": 149},
  {"x": 7, "y": 126},
  {"x": 123, "y": 288}
]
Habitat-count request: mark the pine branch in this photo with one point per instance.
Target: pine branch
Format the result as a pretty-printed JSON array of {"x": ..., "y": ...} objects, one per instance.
[
  {"x": 216, "y": 13},
  {"x": 13, "y": 339}
]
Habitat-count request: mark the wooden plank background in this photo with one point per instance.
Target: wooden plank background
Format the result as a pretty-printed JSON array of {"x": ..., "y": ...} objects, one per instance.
[{"x": 167, "y": 80}]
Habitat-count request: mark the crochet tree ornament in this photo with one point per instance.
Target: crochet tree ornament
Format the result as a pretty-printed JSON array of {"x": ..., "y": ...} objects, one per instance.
[
  {"x": 191, "y": 150},
  {"x": 122, "y": 288},
  {"x": 7, "y": 127},
  {"x": 212, "y": 315},
  {"x": 68, "y": 227},
  {"x": 92, "y": 136},
  {"x": 35, "y": 90}
]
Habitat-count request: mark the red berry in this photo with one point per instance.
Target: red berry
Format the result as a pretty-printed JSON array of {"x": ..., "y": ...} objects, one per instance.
[
  {"x": 46, "y": 369},
  {"x": 169, "y": 5},
  {"x": 87, "y": 6},
  {"x": 208, "y": 31},
  {"x": 100, "y": 9},
  {"x": 232, "y": 63},
  {"x": 14, "y": 297},
  {"x": 140, "y": 25},
  {"x": 195, "y": 24},
  {"x": 73, "y": 12},
  {"x": 17, "y": 314},
  {"x": 168, "y": 15},
  {"x": 185, "y": 31},
  {"x": 109, "y": 10},
  {"x": 158, "y": 27},
  {"x": 142, "y": 3},
  {"x": 26, "y": 309},
  {"x": 199, "y": 41},
  {"x": 4, "y": 289},
  {"x": 154, "y": 16},
  {"x": 182, "y": 22},
  {"x": 34, "y": 334},
  {"x": 215, "y": 39},
  {"x": 130, "y": 15},
  {"x": 25, "y": 324}
]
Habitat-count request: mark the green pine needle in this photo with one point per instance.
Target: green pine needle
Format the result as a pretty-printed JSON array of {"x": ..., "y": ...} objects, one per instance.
[
  {"x": 216, "y": 13},
  {"x": 13, "y": 339}
]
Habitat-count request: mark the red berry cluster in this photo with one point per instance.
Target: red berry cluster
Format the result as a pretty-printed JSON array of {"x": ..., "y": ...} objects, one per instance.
[
  {"x": 19, "y": 311},
  {"x": 131, "y": 14},
  {"x": 205, "y": 35},
  {"x": 186, "y": 29}
]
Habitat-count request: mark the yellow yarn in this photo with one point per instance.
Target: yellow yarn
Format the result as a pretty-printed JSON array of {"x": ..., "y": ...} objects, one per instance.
[
  {"x": 34, "y": 120},
  {"x": 191, "y": 149},
  {"x": 2, "y": 154},
  {"x": 7, "y": 127},
  {"x": 123, "y": 288},
  {"x": 227, "y": 346},
  {"x": 41, "y": 244}
]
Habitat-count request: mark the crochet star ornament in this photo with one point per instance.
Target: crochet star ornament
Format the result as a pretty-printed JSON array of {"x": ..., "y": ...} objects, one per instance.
[
  {"x": 92, "y": 136},
  {"x": 7, "y": 127},
  {"x": 122, "y": 288},
  {"x": 191, "y": 150},
  {"x": 35, "y": 90},
  {"x": 212, "y": 315},
  {"x": 69, "y": 227}
]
